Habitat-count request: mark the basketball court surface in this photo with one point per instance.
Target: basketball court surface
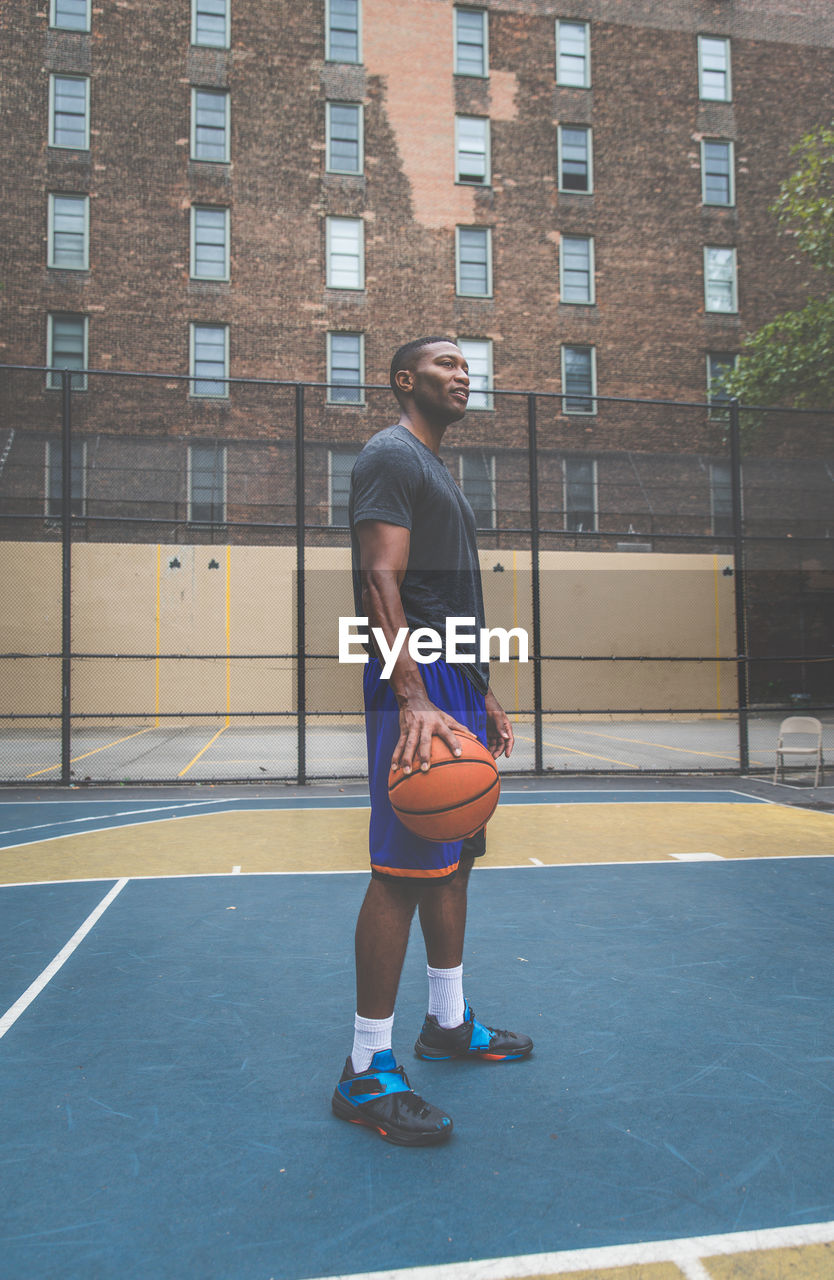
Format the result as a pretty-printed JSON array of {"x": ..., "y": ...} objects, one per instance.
[{"x": 176, "y": 1004}]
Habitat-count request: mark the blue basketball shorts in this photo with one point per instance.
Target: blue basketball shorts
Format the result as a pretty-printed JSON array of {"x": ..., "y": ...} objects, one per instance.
[{"x": 396, "y": 851}]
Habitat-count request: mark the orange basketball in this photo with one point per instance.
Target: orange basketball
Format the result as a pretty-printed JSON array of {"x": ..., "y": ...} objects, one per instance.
[{"x": 454, "y": 798}]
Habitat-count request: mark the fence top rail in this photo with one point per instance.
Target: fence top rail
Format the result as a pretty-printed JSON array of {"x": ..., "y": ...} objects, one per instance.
[{"x": 715, "y": 406}]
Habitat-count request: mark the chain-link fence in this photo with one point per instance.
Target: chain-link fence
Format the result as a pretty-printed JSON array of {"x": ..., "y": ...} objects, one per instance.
[{"x": 176, "y": 560}]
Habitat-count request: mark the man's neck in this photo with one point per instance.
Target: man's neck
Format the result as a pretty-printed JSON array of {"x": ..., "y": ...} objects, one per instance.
[{"x": 428, "y": 433}]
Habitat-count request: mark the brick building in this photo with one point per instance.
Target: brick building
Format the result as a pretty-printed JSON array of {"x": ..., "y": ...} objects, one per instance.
[{"x": 284, "y": 190}]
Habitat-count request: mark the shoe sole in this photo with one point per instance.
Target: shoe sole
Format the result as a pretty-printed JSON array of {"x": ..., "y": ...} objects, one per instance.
[
  {"x": 433, "y": 1056},
  {"x": 345, "y": 1111}
]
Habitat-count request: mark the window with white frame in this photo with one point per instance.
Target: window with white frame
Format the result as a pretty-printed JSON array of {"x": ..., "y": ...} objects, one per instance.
[
  {"x": 66, "y": 348},
  {"x": 720, "y": 279},
  {"x": 209, "y": 243},
  {"x": 210, "y": 23},
  {"x": 210, "y": 125},
  {"x": 721, "y": 499},
  {"x": 344, "y": 137},
  {"x": 719, "y": 365},
  {"x": 209, "y": 360},
  {"x": 478, "y": 355},
  {"x": 472, "y": 150},
  {"x": 717, "y": 185},
  {"x": 345, "y": 253},
  {"x": 575, "y": 159},
  {"x": 54, "y": 496},
  {"x": 579, "y": 478},
  {"x": 340, "y": 465},
  {"x": 714, "y": 84},
  {"x": 576, "y": 269},
  {"x": 474, "y": 261},
  {"x": 69, "y": 112},
  {"x": 471, "y": 42},
  {"x": 579, "y": 379},
  {"x": 573, "y": 54},
  {"x": 207, "y": 483},
  {"x": 70, "y": 15},
  {"x": 343, "y": 31},
  {"x": 345, "y": 368},
  {"x": 477, "y": 482},
  {"x": 69, "y": 232}
]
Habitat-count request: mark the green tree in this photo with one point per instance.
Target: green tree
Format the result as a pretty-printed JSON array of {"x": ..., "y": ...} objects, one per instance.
[{"x": 790, "y": 360}]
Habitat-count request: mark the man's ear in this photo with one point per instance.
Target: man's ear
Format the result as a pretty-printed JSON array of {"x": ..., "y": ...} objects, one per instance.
[{"x": 404, "y": 380}]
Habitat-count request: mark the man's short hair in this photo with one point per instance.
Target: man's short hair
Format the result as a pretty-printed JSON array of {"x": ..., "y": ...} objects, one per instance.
[{"x": 404, "y": 356}]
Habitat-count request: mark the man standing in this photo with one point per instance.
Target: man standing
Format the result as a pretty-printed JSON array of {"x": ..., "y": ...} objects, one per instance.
[{"x": 415, "y": 563}]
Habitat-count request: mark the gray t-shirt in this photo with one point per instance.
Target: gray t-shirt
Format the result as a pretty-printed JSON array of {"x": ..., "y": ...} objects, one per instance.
[{"x": 399, "y": 480}]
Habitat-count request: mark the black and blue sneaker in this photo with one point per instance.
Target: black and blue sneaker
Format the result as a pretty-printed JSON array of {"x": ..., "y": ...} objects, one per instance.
[
  {"x": 381, "y": 1098},
  {"x": 470, "y": 1040}
]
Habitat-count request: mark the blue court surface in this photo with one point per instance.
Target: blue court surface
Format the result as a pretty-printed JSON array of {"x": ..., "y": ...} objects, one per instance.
[{"x": 172, "y": 1042}]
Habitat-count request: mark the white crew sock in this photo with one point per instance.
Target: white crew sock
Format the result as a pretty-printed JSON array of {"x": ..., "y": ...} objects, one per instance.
[
  {"x": 446, "y": 1001},
  {"x": 369, "y": 1036}
]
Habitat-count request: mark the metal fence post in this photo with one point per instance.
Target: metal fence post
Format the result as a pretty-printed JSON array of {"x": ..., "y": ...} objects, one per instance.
[
  {"x": 742, "y": 657},
  {"x": 300, "y": 605},
  {"x": 533, "y": 461},
  {"x": 66, "y": 575}
]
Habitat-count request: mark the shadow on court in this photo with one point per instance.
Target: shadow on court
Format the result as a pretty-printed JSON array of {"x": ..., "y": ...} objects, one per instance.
[{"x": 166, "y": 1095}]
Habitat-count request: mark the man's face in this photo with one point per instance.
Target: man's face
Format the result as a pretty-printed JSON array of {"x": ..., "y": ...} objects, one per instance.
[{"x": 440, "y": 382}]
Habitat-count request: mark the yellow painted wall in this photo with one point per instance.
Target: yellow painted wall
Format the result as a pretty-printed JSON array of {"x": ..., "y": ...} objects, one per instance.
[{"x": 133, "y": 599}]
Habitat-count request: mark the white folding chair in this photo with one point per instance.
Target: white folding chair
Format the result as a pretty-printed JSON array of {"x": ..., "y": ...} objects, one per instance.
[{"x": 803, "y": 727}]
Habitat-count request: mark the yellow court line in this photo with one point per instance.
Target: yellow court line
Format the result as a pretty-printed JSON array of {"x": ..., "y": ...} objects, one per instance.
[
  {"x": 687, "y": 751},
  {"x": 95, "y": 752},
  {"x": 184, "y": 771},
  {"x": 560, "y": 746},
  {"x": 717, "y": 635}
]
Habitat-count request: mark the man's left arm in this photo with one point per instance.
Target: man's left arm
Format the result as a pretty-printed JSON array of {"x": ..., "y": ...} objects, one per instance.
[{"x": 500, "y": 737}]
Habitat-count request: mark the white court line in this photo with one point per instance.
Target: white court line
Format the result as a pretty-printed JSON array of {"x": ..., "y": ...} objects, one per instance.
[
  {"x": 684, "y": 1253},
  {"x": 365, "y": 871},
  {"x": 11, "y": 1015}
]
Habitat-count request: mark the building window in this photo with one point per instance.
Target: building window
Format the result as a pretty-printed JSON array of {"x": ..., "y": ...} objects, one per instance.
[
  {"x": 573, "y": 54},
  {"x": 69, "y": 232},
  {"x": 721, "y": 499},
  {"x": 70, "y": 15},
  {"x": 66, "y": 348},
  {"x": 209, "y": 360},
  {"x": 210, "y": 125},
  {"x": 345, "y": 253},
  {"x": 69, "y": 112},
  {"x": 720, "y": 284},
  {"x": 717, "y": 186},
  {"x": 210, "y": 23},
  {"x": 579, "y": 377},
  {"x": 580, "y": 495},
  {"x": 471, "y": 42},
  {"x": 340, "y": 465},
  {"x": 719, "y": 364},
  {"x": 474, "y": 261},
  {"x": 343, "y": 35},
  {"x": 576, "y": 269},
  {"x": 345, "y": 368},
  {"x": 472, "y": 150},
  {"x": 207, "y": 483},
  {"x": 714, "y": 69},
  {"x": 209, "y": 243},
  {"x": 478, "y": 355},
  {"x": 575, "y": 160},
  {"x": 477, "y": 482},
  {"x": 344, "y": 137},
  {"x": 54, "y": 506}
]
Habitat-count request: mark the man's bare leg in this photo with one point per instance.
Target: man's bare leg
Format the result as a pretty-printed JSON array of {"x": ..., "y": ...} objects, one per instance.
[{"x": 382, "y": 931}]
